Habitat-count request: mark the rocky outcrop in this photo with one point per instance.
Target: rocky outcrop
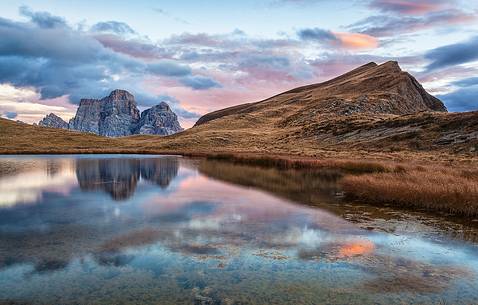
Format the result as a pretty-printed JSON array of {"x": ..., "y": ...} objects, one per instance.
[
  {"x": 53, "y": 121},
  {"x": 113, "y": 116},
  {"x": 117, "y": 115},
  {"x": 158, "y": 120},
  {"x": 87, "y": 118}
]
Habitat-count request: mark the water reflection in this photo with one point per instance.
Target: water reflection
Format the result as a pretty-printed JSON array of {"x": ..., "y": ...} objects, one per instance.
[
  {"x": 181, "y": 236},
  {"x": 119, "y": 177}
]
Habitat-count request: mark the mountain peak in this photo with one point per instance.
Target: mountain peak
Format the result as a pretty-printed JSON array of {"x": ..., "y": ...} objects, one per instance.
[
  {"x": 158, "y": 120},
  {"x": 122, "y": 95},
  {"x": 163, "y": 105},
  {"x": 53, "y": 121},
  {"x": 391, "y": 66}
]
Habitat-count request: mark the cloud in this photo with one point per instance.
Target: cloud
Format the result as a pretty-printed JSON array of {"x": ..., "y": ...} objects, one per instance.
[
  {"x": 316, "y": 34},
  {"x": 357, "y": 41},
  {"x": 339, "y": 39},
  {"x": 42, "y": 19},
  {"x": 265, "y": 60},
  {"x": 169, "y": 68},
  {"x": 453, "y": 54},
  {"x": 137, "y": 48},
  {"x": 414, "y": 7},
  {"x": 467, "y": 82},
  {"x": 174, "y": 103},
  {"x": 25, "y": 103},
  {"x": 465, "y": 99},
  {"x": 116, "y": 27},
  {"x": 79, "y": 65},
  {"x": 200, "y": 39},
  {"x": 391, "y": 25},
  {"x": 199, "y": 82}
]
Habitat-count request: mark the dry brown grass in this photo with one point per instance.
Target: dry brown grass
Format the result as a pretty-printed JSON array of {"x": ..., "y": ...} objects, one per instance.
[
  {"x": 290, "y": 162},
  {"x": 439, "y": 189}
]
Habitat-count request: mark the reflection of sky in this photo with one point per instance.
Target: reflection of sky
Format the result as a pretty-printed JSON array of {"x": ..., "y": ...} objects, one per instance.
[
  {"x": 27, "y": 187},
  {"x": 195, "y": 221}
]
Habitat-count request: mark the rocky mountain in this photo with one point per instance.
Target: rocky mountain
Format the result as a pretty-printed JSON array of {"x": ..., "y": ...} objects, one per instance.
[
  {"x": 113, "y": 116},
  {"x": 53, "y": 121},
  {"x": 158, "y": 120},
  {"x": 117, "y": 115}
]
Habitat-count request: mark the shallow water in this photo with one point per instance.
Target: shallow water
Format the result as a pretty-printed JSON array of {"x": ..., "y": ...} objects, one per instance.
[{"x": 170, "y": 230}]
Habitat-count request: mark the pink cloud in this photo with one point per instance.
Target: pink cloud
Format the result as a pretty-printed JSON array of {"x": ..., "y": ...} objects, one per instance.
[
  {"x": 416, "y": 7},
  {"x": 357, "y": 40}
]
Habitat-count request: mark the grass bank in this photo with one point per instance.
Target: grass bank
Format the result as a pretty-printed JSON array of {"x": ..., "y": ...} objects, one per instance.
[
  {"x": 431, "y": 187},
  {"x": 294, "y": 162}
]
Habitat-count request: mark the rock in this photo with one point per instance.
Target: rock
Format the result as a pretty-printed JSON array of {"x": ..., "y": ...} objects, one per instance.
[
  {"x": 113, "y": 116},
  {"x": 117, "y": 115},
  {"x": 158, "y": 120},
  {"x": 53, "y": 121},
  {"x": 87, "y": 118}
]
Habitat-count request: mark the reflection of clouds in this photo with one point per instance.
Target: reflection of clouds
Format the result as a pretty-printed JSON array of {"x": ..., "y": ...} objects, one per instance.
[{"x": 28, "y": 186}]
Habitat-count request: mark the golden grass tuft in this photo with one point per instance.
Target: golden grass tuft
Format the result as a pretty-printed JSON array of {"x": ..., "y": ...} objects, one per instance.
[{"x": 437, "y": 189}]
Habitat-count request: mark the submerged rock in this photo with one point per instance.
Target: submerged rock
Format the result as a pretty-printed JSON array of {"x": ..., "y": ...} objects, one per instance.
[{"x": 53, "y": 121}]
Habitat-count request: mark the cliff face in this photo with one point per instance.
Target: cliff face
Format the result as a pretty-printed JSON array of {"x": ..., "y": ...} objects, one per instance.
[
  {"x": 53, "y": 121},
  {"x": 117, "y": 115},
  {"x": 158, "y": 120},
  {"x": 87, "y": 118},
  {"x": 113, "y": 116}
]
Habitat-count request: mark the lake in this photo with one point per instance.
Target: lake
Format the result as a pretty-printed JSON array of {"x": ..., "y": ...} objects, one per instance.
[{"x": 130, "y": 229}]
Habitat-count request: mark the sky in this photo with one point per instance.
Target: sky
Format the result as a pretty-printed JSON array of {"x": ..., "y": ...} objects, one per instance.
[{"x": 201, "y": 56}]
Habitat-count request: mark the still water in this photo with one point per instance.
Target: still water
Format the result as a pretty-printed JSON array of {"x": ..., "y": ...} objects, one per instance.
[{"x": 170, "y": 230}]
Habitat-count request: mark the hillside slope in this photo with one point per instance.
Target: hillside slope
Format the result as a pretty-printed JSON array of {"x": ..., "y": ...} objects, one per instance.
[{"x": 371, "y": 88}]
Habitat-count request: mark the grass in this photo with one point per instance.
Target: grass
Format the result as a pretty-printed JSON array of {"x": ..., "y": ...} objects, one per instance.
[
  {"x": 437, "y": 189},
  {"x": 290, "y": 162},
  {"x": 429, "y": 186}
]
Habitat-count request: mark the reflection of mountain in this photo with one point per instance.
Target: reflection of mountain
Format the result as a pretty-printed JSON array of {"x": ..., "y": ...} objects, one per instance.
[
  {"x": 119, "y": 177},
  {"x": 160, "y": 171}
]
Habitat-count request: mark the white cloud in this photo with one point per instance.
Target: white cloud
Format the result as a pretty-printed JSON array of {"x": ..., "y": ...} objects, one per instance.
[{"x": 25, "y": 102}]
